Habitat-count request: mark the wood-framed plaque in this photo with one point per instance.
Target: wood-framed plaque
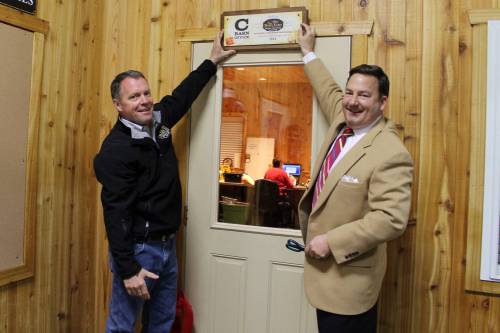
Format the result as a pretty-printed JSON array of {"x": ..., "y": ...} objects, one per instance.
[{"x": 263, "y": 28}]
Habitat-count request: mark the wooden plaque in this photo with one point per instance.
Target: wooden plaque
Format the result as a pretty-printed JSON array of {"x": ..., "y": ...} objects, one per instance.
[{"x": 263, "y": 28}]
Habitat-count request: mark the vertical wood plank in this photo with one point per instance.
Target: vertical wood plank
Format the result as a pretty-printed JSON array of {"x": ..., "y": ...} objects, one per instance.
[
  {"x": 461, "y": 315},
  {"x": 438, "y": 157},
  {"x": 359, "y": 45}
]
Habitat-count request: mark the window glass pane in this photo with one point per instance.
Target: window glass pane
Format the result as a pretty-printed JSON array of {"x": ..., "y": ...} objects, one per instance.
[{"x": 266, "y": 116}]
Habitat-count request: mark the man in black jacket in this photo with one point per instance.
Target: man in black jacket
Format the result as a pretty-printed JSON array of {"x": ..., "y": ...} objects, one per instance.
[{"x": 141, "y": 196}]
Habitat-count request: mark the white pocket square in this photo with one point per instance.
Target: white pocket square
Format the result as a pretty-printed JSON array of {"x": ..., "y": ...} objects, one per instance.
[{"x": 349, "y": 179}]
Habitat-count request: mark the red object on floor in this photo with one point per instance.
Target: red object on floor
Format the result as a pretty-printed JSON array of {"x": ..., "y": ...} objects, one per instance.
[{"x": 183, "y": 315}]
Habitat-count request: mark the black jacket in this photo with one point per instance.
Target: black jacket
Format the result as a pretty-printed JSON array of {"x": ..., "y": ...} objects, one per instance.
[{"x": 141, "y": 190}]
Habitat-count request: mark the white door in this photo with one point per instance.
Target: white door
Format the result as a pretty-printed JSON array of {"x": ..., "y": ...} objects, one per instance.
[{"x": 241, "y": 278}]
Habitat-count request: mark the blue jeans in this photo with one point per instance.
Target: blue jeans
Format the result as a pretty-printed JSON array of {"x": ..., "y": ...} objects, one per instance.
[{"x": 158, "y": 313}]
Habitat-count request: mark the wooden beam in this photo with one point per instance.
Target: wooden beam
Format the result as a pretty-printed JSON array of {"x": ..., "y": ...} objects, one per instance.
[
  {"x": 23, "y": 20},
  {"x": 196, "y": 34},
  {"x": 323, "y": 29},
  {"x": 478, "y": 16}
]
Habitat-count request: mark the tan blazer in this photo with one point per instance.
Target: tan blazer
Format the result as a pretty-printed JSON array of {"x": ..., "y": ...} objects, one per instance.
[{"x": 364, "y": 203}]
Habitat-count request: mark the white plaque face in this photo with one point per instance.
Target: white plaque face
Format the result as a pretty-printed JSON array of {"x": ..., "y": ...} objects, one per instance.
[{"x": 263, "y": 28}]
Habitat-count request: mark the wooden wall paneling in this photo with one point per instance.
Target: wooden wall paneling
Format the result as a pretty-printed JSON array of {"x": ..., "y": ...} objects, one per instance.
[
  {"x": 477, "y": 319},
  {"x": 228, "y": 5},
  {"x": 87, "y": 41},
  {"x": 25, "y": 289},
  {"x": 272, "y": 3},
  {"x": 210, "y": 11},
  {"x": 396, "y": 297},
  {"x": 126, "y": 36},
  {"x": 232, "y": 5},
  {"x": 314, "y": 8},
  {"x": 56, "y": 175},
  {"x": 360, "y": 10},
  {"x": 412, "y": 91},
  {"x": 110, "y": 59},
  {"x": 494, "y": 310},
  {"x": 330, "y": 11},
  {"x": 394, "y": 32},
  {"x": 158, "y": 48},
  {"x": 460, "y": 315},
  {"x": 376, "y": 45},
  {"x": 188, "y": 15},
  {"x": 436, "y": 184},
  {"x": 359, "y": 50},
  {"x": 399, "y": 36}
]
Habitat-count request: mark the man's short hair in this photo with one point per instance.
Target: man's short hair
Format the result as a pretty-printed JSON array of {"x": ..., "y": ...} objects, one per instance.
[
  {"x": 115, "y": 84},
  {"x": 375, "y": 71},
  {"x": 276, "y": 163}
]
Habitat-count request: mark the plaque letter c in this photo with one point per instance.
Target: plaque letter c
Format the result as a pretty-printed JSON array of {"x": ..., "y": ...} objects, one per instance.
[{"x": 237, "y": 24}]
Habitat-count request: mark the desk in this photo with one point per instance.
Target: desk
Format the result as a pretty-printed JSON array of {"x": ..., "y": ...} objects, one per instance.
[
  {"x": 240, "y": 191},
  {"x": 244, "y": 194}
]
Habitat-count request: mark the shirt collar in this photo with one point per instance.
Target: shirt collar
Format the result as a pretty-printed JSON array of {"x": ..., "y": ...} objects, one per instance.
[
  {"x": 142, "y": 131},
  {"x": 133, "y": 126}
]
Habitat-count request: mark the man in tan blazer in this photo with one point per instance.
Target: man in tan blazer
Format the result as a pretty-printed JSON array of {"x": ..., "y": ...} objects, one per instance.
[{"x": 363, "y": 199}]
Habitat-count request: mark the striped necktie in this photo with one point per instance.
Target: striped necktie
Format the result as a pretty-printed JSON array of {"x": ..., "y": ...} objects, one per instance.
[{"x": 329, "y": 160}]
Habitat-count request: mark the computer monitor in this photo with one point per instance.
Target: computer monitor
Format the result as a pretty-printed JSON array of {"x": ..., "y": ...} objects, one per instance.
[{"x": 292, "y": 169}]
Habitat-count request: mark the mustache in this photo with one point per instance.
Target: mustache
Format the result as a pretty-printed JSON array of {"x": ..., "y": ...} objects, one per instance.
[{"x": 354, "y": 111}]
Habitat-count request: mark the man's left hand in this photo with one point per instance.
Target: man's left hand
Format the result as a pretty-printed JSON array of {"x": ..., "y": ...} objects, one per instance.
[
  {"x": 218, "y": 53},
  {"x": 318, "y": 247},
  {"x": 136, "y": 285}
]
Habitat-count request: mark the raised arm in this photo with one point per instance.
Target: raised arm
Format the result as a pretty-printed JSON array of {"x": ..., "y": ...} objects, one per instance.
[
  {"x": 327, "y": 91},
  {"x": 175, "y": 106}
]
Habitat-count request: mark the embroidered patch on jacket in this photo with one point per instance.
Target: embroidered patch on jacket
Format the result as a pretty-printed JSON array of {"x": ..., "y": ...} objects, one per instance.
[{"x": 164, "y": 132}]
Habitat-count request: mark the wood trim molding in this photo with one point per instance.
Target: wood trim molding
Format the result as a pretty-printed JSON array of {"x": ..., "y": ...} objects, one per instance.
[
  {"x": 323, "y": 29},
  {"x": 23, "y": 20},
  {"x": 478, "y": 16}
]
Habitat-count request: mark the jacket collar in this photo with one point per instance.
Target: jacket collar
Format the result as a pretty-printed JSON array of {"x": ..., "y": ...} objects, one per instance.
[
  {"x": 120, "y": 127},
  {"x": 347, "y": 162}
]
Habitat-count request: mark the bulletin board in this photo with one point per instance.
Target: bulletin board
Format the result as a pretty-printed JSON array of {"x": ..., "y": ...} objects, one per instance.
[
  {"x": 21, "y": 62},
  {"x": 15, "y": 82}
]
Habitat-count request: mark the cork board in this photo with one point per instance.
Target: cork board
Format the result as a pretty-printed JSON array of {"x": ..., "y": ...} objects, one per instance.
[{"x": 15, "y": 87}]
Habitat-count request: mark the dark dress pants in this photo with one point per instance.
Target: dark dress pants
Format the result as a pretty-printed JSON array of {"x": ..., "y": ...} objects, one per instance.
[{"x": 335, "y": 323}]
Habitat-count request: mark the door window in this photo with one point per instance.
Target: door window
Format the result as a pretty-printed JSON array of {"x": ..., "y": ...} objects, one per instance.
[{"x": 265, "y": 145}]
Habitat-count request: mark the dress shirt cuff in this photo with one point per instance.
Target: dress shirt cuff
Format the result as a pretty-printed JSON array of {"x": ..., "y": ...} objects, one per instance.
[{"x": 309, "y": 57}]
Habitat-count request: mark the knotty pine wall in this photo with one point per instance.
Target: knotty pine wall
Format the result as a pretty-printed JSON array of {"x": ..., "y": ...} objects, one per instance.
[{"x": 424, "y": 45}]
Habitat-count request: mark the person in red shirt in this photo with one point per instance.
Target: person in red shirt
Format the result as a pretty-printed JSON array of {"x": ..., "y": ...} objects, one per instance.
[{"x": 278, "y": 175}]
